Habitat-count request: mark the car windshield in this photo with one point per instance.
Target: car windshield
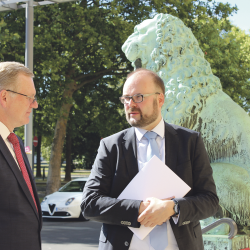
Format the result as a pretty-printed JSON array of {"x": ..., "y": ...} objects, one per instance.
[{"x": 73, "y": 186}]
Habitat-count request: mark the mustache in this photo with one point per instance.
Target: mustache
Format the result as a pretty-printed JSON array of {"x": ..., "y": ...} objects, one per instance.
[{"x": 133, "y": 109}]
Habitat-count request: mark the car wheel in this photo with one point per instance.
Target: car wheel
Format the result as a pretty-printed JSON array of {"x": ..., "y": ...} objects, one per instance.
[{"x": 82, "y": 218}]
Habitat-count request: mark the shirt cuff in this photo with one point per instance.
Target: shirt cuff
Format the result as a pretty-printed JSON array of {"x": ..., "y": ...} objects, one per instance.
[{"x": 176, "y": 218}]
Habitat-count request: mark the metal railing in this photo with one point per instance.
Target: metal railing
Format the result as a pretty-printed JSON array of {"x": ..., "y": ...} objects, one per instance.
[{"x": 230, "y": 222}]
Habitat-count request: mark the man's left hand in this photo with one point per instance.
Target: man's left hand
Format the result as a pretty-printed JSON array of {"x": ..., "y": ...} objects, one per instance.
[{"x": 158, "y": 212}]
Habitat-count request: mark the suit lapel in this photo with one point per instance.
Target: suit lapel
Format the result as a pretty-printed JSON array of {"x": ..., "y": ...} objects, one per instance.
[
  {"x": 12, "y": 164},
  {"x": 130, "y": 152},
  {"x": 171, "y": 147}
]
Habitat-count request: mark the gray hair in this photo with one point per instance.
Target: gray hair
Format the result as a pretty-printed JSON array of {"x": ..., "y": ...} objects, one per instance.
[{"x": 9, "y": 72}]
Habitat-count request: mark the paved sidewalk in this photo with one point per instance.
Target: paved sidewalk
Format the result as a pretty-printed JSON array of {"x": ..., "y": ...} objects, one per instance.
[{"x": 70, "y": 235}]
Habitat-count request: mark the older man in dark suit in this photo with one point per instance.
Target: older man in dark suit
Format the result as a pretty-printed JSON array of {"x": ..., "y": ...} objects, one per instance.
[
  {"x": 122, "y": 155},
  {"x": 20, "y": 212}
]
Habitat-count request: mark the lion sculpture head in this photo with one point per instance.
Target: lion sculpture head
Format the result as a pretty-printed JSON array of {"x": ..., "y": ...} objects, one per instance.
[{"x": 165, "y": 45}]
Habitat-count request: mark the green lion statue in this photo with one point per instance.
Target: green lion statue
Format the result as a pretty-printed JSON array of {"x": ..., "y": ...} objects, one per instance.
[{"x": 194, "y": 99}]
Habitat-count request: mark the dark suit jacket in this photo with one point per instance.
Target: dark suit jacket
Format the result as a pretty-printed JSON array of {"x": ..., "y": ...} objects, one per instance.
[
  {"x": 20, "y": 223},
  {"x": 116, "y": 165}
]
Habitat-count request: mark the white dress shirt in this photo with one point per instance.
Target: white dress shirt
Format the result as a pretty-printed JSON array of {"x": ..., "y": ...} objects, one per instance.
[
  {"x": 4, "y": 132},
  {"x": 142, "y": 144}
]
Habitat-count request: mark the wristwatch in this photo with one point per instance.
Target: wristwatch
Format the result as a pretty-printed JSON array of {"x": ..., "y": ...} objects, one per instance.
[{"x": 176, "y": 207}]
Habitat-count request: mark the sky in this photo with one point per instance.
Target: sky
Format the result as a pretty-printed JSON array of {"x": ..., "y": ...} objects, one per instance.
[{"x": 242, "y": 18}]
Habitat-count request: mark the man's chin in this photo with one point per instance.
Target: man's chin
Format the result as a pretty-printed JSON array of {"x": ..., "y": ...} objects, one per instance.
[
  {"x": 27, "y": 120},
  {"x": 134, "y": 123}
]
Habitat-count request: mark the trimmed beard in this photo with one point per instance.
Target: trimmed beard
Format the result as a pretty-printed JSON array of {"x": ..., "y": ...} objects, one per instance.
[{"x": 145, "y": 120}]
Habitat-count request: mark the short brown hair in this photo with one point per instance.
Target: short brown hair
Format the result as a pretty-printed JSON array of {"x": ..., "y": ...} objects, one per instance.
[
  {"x": 9, "y": 72},
  {"x": 157, "y": 80}
]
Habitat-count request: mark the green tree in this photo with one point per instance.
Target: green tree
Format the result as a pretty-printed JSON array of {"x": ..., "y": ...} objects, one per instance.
[
  {"x": 102, "y": 116},
  {"x": 77, "y": 44},
  {"x": 229, "y": 56}
]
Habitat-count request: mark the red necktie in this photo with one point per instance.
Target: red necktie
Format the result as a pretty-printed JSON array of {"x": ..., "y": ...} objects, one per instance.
[{"x": 14, "y": 140}]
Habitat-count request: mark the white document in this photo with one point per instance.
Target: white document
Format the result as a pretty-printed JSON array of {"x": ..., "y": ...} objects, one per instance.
[{"x": 154, "y": 180}]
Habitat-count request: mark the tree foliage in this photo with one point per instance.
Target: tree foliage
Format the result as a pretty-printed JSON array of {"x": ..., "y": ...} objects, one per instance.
[
  {"x": 83, "y": 42},
  {"x": 230, "y": 61},
  {"x": 103, "y": 115}
]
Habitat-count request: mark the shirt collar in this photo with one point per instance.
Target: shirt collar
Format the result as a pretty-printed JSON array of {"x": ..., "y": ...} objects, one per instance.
[
  {"x": 4, "y": 131},
  {"x": 159, "y": 129}
]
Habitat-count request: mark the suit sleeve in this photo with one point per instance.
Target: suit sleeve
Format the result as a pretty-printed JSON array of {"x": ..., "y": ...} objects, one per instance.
[
  {"x": 97, "y": 204},
  {"x": 203, "y": 202}
]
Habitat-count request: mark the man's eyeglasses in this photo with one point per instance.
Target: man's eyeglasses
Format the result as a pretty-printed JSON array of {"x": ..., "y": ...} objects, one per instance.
[
  {"x": 137, "y": 98},
  {"x": 31, "y": 99}
]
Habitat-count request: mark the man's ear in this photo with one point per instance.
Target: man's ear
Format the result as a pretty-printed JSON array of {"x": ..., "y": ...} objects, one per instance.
[
  {"x": 3, "y": 98},
  {"x": 161, "y": 99}
]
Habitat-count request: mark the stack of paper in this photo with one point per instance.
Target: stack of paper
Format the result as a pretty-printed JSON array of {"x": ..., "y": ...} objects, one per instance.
[{"x": 154, "y": 180}]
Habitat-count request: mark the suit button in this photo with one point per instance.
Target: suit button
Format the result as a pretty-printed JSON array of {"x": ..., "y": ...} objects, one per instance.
[{"x": 126, "y": 243}]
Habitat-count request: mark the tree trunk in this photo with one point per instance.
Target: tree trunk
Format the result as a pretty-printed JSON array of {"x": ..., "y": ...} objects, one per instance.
[
  {"x": 54, "y": 175},
  {"x": 68, "y": 153},
  {"x": 38, "y": 158}
]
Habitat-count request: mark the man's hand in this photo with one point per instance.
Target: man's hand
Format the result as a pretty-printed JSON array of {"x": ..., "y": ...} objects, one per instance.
[
  {"x": 143, "y": 206},
  {"x": 154, "y": 211}
]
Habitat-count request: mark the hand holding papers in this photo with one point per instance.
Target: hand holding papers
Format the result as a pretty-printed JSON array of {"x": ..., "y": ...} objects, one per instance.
[{"x": 154, "y": 180}]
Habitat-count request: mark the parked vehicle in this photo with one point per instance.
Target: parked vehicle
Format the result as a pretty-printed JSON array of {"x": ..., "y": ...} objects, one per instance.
[{"x": 66, "y": 202}]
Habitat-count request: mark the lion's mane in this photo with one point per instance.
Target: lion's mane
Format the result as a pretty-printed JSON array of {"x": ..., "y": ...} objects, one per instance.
[{"x": 187, "y": 75}]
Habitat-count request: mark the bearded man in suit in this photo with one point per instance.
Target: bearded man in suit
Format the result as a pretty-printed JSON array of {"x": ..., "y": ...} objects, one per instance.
[
  {"x": 121, "y": 156},
  {"x": 20, "y": 212}
]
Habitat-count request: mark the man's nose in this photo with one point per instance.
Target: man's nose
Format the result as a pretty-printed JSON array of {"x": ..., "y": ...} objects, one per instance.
[
  {"x": 34, "y": 105},
  {"x": 131, "y": 103}
]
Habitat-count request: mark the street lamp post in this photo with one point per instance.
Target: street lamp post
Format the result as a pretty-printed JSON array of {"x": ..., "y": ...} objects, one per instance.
[{"x": 29, "y": 36}]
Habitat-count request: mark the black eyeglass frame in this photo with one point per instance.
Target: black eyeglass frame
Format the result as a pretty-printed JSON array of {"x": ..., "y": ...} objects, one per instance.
[
  {"x": 122, "y": 98},
  {"x": 33, "y": 98}
]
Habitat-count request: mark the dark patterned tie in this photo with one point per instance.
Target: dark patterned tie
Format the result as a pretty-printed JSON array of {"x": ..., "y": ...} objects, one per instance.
[{"x": 14, "y": 140}]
